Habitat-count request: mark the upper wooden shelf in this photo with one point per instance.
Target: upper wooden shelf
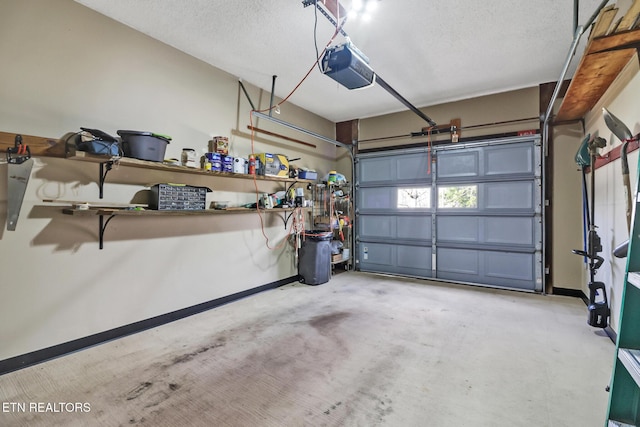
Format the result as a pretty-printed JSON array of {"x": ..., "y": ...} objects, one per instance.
[
  {"x": 603, "y": 60},
  {"x": 145, "y": 164}
]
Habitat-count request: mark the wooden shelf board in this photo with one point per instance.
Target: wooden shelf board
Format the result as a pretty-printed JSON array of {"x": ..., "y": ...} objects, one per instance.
[
  {"x": 620, "y": 40},
  {"x": 39, "y": 146},
  {"x": 145, "y": 164},
  {"x": 603, "y": 60},
  {"x": 127, "y": 212},
  {"x": 593, "y": 77}
]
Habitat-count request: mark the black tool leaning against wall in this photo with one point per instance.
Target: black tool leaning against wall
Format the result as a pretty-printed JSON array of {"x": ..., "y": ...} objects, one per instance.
[
  {"x": 598, "y": 308},
  {"x": 19, "y": 168}
]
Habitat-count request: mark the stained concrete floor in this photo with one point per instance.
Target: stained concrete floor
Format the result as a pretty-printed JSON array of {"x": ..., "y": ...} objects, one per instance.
[{"x": 361, "y": 350}]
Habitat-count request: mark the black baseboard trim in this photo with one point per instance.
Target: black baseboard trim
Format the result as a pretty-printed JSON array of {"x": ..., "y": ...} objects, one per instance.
[
  {"x": 576, "y": 293},
  {"x": 39, "y": 356},
  {"x": 613, "y": 336}
]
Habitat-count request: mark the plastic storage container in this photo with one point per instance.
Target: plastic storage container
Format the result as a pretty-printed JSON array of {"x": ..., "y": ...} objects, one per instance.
[
  {"x": 314, "y": 264},
  {"x": 178, "y": 197},
  {"x": 144, "y": 145},
  {"x": 308, "y": 175}
]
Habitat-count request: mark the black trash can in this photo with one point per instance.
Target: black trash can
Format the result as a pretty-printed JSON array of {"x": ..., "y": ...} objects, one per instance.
[{"x": 314, "y": 262}]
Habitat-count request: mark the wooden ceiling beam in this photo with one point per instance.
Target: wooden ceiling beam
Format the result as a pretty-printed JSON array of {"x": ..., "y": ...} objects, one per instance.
[{"x": 335, "y": 8}]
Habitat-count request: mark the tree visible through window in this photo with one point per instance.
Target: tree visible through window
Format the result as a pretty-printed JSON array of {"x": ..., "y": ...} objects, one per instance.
[
  {"x": 414, "y": 197},
  {"x": 462, "y": 196}
]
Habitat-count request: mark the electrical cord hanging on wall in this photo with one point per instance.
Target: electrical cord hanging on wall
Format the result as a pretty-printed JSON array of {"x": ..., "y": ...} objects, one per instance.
[
  {"x": 315, "y": 32},
  {"x": 276, "y": 106}
]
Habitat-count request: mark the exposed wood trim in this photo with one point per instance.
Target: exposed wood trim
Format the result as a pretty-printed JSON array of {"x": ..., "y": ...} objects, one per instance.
[
  {"x": 39, "y": 145},
  {"x": 335, "y": 8},
  {"x": 347, "y": 132},
  {"x": 604, "y": 58},
  {"x": 614, "y": 154}
]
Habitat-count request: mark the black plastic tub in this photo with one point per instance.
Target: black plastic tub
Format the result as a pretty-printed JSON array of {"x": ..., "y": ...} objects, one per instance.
[
  {"x": 144, "y": 145},
  {"x": 318, "y": 235}
]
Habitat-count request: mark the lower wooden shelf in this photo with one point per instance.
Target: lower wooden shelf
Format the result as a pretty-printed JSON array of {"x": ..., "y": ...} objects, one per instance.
[
  {"x": 149, "y": 212},
  {"x": 111, "y": 213}
]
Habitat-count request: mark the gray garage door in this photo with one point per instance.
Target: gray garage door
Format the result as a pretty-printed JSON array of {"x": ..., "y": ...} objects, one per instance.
[{"x": 474, "y": 216}]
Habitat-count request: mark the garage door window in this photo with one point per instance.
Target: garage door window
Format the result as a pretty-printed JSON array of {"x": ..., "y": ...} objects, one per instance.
[
  {"x": 458, "y": 197},
  {"x": 414, "y": 197}
]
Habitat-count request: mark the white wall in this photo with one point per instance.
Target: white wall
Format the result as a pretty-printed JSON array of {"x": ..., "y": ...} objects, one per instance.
[
  {"x": 66, "y": 66},
  {"x": 622, "y": 100},
  {"x": 566, "y": 231}
]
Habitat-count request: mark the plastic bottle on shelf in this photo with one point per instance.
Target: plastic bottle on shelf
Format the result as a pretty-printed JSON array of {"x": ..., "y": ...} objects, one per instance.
[
  {"x": 252, "y": 165},
  {"x": 189, "y": 157}
]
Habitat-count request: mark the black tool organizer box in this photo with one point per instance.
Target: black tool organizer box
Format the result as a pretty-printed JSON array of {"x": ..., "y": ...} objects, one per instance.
[{"x": 178, "y": 197}]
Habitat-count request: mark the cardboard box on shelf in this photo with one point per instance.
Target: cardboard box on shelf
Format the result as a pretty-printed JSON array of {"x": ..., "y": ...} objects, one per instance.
[{"x": 273, "y": 164}]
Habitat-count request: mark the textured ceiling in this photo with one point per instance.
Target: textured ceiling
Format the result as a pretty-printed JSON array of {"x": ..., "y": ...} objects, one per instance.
[{"x": 429, "y": 51}]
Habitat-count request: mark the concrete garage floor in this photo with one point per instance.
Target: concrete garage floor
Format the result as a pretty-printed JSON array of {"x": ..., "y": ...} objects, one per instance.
[{"x": 361, "y": 350}]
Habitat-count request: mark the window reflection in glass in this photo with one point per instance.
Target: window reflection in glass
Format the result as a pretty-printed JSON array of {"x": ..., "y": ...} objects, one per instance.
[
  {"x": 414, "y": 197},
  {"x": 458, "y": 197}
]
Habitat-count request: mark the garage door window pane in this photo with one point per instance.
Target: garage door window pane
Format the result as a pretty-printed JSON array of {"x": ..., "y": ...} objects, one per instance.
[
  {"x": 458, "y": 197},
  {"x": 414, "y": 197}
]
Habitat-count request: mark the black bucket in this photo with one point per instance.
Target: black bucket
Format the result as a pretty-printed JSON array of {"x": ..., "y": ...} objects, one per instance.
[{"x": 144, "y": 145}]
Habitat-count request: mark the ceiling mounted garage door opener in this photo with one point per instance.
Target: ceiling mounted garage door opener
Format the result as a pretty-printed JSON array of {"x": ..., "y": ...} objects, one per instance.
[{"x": 20, "y": 164}]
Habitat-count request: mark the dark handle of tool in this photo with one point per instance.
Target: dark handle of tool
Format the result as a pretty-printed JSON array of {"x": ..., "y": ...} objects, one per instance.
[{"x": 21, "y": 151}]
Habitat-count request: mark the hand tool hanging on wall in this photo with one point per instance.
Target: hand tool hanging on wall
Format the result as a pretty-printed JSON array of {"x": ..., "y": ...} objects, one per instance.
[
  {"x": 622, "y": 132},
  {"x": 19, "y": 168},
  {"x": 598, "y": 305}
]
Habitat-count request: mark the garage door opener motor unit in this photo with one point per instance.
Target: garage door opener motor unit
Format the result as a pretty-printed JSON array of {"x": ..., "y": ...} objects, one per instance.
[{"x": 348, "y": 66}]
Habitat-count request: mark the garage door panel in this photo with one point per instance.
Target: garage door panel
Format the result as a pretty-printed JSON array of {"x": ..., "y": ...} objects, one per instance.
[
  {"x": 395, "y": 259},
  {"x": 458, "y": 229},
  {"x": 510, "y": 266},
  {"x": 509, "y": 159},
  {"x": 378, "y": 226},
  {"x": 378, "y": 253},
  {"x": 414, "y": 257},
  {"x": 376, "y": 198},
  {"x": 412, "y": 167},
  {"x": 457, "y": 261},
  {"x": 509, "y": 231},
  {"x": 391, "y": 169},
  {"x": 414, "y": 227},
  {"x": 391, "y": 227},
  {"x": 455, "y": 165},
  {"x": 504, "y": 269},
  {"x": 509, "y": 195},
  {"x": 376, "y": 170}
]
